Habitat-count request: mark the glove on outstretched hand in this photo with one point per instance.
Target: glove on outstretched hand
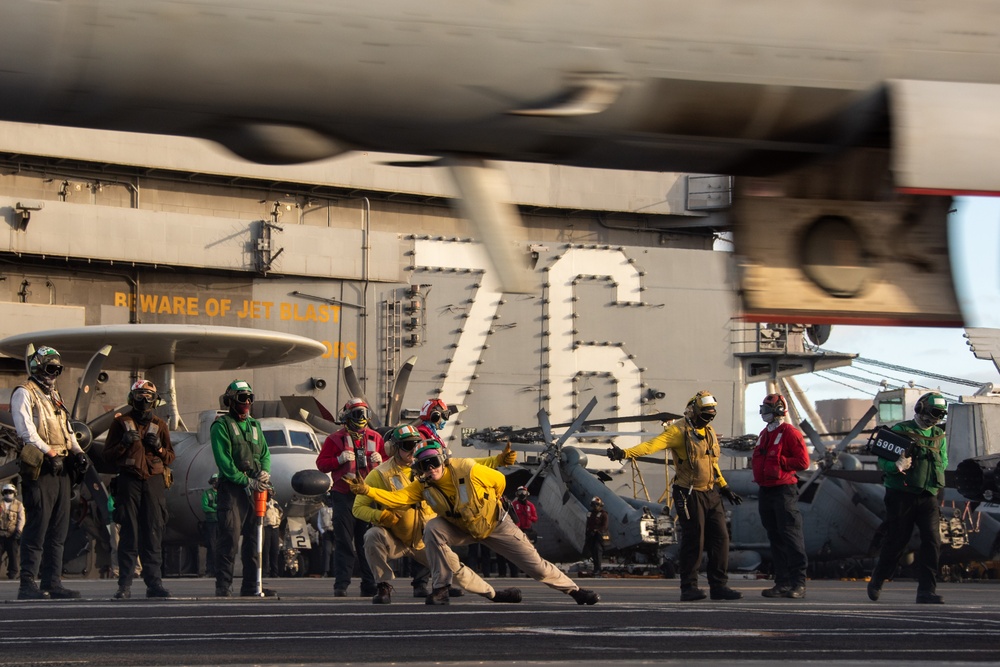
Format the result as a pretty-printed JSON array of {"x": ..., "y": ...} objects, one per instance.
[
  {"x": 509, "y": 456},
  {"x": 358, "y": 486},
  {"x": 616, "y": 453}
]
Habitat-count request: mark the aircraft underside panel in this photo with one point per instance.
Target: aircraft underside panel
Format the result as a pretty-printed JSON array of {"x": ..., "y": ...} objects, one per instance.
[{"x": 946, "y": 136}]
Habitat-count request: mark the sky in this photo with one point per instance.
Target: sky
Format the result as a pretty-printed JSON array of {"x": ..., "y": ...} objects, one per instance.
[{"x": 974, "y": 238}]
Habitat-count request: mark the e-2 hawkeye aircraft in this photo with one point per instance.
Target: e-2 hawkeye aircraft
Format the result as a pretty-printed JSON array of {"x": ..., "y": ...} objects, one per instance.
[
  {"x": 160, "y": 351},
  {"x": 854, "y": 123}
]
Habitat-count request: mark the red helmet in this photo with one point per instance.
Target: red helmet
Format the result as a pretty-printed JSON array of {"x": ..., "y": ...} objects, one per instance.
[
  {"x": 774, "y": 404},
  {"x": 355, "y": 414},
  {"x": 434, "y": 410}
]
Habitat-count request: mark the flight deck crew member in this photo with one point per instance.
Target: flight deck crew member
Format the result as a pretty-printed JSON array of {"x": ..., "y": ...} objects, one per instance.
[
  {"x": 11, "y": 526},
  {"x": 138, "y": 444},
  {"x": 912, "y": 484},
  {"x": 596, "y": 529},
  {"x": 468, "y": 500},
  {"x": 355, "y": 449},
  {"x": 400, "y": 532},
  {"x": 50, "y": 455},
  {"x": 244, "y": 463},
  {"x": 433, "y": 416},
  {"x": 698, "y": 485},
  {"x": 779, "y": 454},
  {"x": 210, "y": 508}
]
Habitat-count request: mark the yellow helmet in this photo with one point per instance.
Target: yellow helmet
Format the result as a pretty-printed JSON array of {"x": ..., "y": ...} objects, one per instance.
[{"x": 700, "y": 409}]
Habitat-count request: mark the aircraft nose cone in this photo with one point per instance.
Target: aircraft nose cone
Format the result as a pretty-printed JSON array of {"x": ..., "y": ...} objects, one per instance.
[{"x": 311, "y": 482}]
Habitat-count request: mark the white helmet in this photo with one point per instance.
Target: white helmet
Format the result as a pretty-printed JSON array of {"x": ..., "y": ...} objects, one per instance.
[{"x": 8, "y": 487}]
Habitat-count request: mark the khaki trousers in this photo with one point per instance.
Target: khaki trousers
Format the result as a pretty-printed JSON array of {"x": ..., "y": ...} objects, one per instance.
[
  {"x": 381, "y": 546},
  {"x": 506, "y": 540}
]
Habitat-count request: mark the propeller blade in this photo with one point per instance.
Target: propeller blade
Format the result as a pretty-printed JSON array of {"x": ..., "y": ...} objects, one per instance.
[
  {"x": 9, "y": 469},
  {"x": 352, "y": 382},
  {"x": 398, "y": 389},
  {"x": 659, "y": 416},
  {"x": 87, "y": 383},
  {"x": 354, "y": 387},
  {"x": 99, "y": 425},
  {"x": 319, "y": 424},
  {"x": 99, "y": 494}
]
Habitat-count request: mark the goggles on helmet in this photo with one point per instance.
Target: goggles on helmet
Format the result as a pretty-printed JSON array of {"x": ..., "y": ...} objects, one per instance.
[
  {"x": 429, "y": 463},
  {"x": 407, "y": 445},
  {"x": 243, "y": 397},
  {"x": 52, "y": 369},
  {"x": 8, "y": 492},
  {"x": 357, "y": 414}
]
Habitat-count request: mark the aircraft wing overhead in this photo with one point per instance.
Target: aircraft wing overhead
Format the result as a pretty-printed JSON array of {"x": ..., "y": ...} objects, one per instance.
[
  {"x": 186, "y": 347},
  {"x": 946, "y": 136}
]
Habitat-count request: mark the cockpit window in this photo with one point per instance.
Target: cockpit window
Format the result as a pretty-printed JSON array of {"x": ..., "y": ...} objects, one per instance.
[
  {"x": 275, "y": 438},
  {"x": 280, "y": 438},
  {"x": 302, "y": 439}
]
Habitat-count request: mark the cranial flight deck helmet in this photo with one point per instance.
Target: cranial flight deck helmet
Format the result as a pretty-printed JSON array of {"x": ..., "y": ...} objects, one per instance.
[
  {"x": 238, "y": 398},
  {"x": 521, "y": 493},
  {"x": 931, "y": 409},
  {"x": 405, "y": 438},
  {"x": 700, "y": 409},
  {"x": 429, "y": 456},
  {"x": 355, "y": 414},
  {"x": 774, "y": 404},
  {"x": 45, "y": 365},
  {"x": 434, "y": 410},
  {"x": 142, "y": 396}
]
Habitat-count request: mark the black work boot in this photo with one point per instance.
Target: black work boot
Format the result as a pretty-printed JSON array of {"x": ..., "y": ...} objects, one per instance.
[
  {"x": 438, "y": 597},
  {"x": 796, "y": 592},
  {"x": 874, "y": 589},
  {"x": 692, "y": 594},
  {"x": 926, "y": 597},
  {"x": 57, "y": 591},
  {"x": 420, "y": 591},
  {"x": 384, "y": 594},
  {"x": 124, "y": 592},
  {"x": 157, "y": 591},
  {"x": 725, "y": 593},
  {"x": 29, "y": 590},
  {"x": 777, "y": 591},
  {"x": 583, "y": 596}
]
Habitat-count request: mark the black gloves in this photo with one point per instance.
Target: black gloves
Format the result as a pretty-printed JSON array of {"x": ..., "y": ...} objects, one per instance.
[
  {"x": 731, "y": 495},
  {"x": 151, "y": 441},
  {"x": 80, "y": 465},
  {"x": 57, "y": 465},
  {"x": 616, "y": 453},
  {"x": 131, "y": 437}
]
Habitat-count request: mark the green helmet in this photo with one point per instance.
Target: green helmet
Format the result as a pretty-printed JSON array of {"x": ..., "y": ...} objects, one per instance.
[
  {"x": 405, "y": 437},
  {"x": 931, "y": 408},
  {"x": 238, "y": 391}
]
